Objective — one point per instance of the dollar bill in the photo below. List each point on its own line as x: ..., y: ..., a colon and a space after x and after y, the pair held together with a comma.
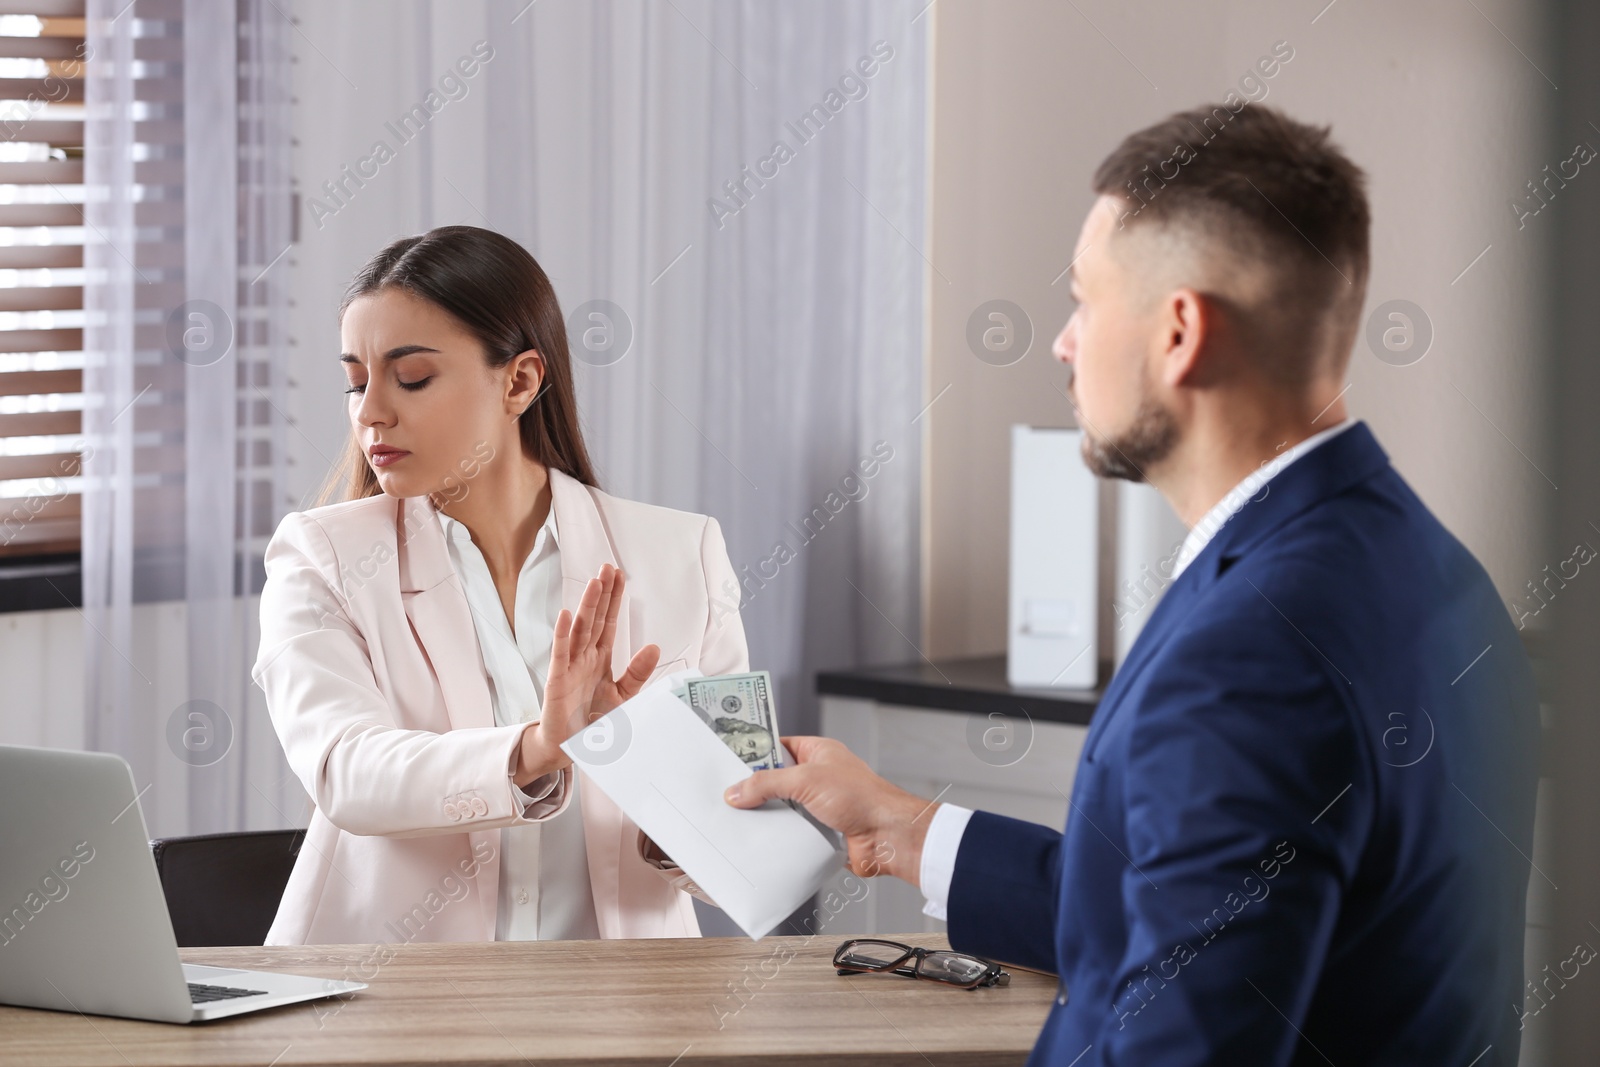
x: 739, y: 709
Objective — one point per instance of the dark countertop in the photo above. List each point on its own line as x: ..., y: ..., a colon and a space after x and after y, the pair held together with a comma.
x: 977, y: 685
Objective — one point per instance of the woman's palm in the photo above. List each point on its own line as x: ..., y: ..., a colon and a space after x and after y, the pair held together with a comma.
x: 579, y: 687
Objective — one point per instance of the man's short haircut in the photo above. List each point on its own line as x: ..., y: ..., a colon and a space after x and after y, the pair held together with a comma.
x: 1270, y: 189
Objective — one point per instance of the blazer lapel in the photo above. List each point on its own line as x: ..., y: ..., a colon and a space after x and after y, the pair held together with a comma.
x: 585, y: 547
x: 437, y: 606
x: 1169, y: 610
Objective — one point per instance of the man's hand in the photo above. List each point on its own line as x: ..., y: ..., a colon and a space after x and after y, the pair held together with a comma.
x: 884, y: 825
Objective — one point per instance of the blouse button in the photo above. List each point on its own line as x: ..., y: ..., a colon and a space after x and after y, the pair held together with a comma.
x: 522, y: 896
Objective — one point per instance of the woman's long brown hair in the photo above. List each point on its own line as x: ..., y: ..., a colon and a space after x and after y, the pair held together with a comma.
x: 500, y: 293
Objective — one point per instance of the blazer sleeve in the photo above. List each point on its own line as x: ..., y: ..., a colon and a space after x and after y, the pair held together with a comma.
x: 1004, y: 891
x: 365, y: 774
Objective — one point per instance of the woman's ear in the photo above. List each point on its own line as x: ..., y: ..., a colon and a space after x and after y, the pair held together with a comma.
x: 525, y: 381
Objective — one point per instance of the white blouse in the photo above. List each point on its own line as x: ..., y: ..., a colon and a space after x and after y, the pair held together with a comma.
x: 544, y: 868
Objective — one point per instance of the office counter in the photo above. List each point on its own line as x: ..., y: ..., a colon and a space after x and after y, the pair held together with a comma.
x: 955, y: 729
x: 974, y: 685
x: 723, y: 1001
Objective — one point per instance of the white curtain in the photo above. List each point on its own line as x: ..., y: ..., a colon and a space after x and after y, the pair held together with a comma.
x: 754, y: 314
x: 187, y: 217
x: 730, y: 176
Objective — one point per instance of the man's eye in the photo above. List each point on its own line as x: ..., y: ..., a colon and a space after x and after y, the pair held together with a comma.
x: 418, y: 384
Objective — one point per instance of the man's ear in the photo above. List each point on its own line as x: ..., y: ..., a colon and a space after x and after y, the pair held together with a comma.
x: 525, y: 380
x: 1186, y: 323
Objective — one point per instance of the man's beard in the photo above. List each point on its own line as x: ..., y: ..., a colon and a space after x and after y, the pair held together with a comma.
x: 1146, y: 442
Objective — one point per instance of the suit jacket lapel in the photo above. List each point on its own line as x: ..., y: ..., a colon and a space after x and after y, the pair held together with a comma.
x: 437, y: 606
x: 585, y: 547
x: 1169, y: 611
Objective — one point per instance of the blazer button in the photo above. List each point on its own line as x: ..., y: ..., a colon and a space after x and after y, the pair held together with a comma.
x: 1061, y: 991
x: 479, y: 807
x: 452, y: 811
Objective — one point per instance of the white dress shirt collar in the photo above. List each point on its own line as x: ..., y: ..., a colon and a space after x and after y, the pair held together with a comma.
x: 455, y: 529
x: 1233, y: 500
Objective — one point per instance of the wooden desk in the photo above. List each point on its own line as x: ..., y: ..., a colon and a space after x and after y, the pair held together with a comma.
x: 658, y: 1002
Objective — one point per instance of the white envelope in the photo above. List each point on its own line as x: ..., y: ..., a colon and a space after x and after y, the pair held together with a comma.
x: 657, y: 761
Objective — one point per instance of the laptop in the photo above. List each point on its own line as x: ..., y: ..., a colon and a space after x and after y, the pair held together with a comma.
x: 83, y: 921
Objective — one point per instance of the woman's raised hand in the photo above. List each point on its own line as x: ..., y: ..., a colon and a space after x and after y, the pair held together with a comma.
x: 579, y: 687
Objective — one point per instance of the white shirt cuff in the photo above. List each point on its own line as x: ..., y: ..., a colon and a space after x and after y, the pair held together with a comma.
x: 939, y: 850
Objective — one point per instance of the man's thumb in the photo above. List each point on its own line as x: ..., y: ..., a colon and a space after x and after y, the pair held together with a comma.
x: 757, y: 789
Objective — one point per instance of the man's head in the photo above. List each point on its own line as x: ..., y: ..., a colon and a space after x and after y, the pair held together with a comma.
x: 1220, y: 272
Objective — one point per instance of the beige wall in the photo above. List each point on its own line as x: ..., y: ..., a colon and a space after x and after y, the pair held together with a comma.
x: 1429, y: 97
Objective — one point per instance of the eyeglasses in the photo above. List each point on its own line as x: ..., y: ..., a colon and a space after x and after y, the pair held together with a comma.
x: 862, y: 955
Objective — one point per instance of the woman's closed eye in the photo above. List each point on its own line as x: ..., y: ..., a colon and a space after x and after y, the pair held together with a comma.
x: 361, y: 387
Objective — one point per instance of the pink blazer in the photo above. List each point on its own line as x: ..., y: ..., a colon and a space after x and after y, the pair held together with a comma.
x: 376, y: 687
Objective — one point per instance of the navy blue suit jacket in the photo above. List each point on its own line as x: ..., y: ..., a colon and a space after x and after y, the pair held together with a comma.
x: 1300, y: 824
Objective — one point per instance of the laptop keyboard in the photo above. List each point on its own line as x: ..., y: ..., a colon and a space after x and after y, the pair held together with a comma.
x: 205, y: 994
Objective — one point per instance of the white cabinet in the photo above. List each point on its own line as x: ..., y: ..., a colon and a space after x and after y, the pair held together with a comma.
x: 1015, y: 764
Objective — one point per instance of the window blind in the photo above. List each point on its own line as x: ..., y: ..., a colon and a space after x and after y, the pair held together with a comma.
x: 43, y: 64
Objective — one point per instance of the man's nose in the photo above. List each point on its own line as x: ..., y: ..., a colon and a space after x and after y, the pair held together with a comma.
x: 1065, y: 349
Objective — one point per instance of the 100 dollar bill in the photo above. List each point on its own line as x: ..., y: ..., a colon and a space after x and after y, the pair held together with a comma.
x: 741, y: 710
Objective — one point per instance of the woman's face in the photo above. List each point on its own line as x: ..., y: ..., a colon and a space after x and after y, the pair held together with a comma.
x: 425, y: 406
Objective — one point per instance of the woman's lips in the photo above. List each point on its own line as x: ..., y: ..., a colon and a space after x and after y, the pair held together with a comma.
x: 383, y: 459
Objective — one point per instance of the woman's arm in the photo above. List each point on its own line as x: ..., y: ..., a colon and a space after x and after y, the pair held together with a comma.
x: 365, y: 774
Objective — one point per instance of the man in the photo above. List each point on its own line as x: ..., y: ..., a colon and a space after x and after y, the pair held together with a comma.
x: 1300, y: 826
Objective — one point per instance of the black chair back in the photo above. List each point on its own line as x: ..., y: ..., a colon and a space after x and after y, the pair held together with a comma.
x: 224, y: 889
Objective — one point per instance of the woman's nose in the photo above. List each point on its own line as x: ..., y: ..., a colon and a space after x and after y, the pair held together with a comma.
x: 373, y: 410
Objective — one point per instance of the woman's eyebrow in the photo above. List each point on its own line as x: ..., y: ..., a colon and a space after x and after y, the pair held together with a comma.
x: 393, y: 353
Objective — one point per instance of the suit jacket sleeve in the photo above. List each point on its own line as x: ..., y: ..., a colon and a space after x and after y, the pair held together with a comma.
x: 1004, y: 891
x: 367, y: 775
x: 1247, y: 799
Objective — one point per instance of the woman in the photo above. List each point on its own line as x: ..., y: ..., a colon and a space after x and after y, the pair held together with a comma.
x: 429, y: 642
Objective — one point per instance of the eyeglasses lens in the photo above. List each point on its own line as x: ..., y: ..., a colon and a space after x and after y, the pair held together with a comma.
x: 949, y: 967
x: 872, y: 954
